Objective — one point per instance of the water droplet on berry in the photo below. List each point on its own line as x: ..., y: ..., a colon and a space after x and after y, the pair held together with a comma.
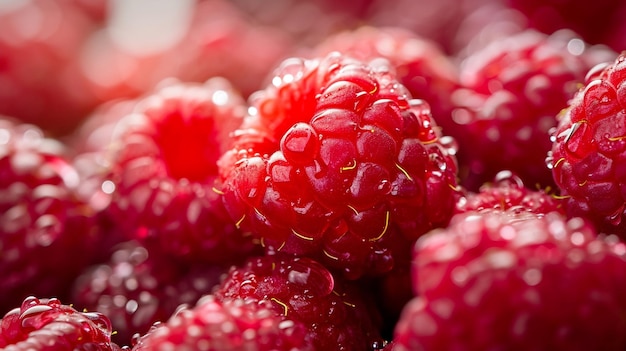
x: 438, y: 161
x: 449, y: 144
x: 289, y: 71
x: 29, y: 316
x: 134, y: 340
x: 549, y: 161
x: 616, y: 217
x: 508, y: 178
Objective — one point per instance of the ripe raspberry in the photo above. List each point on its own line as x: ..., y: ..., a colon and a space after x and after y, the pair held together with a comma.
x: 138, y: 287
x: 48, y: 325
x: 501, y: 280
x: 226, y: 325
x: 336, y: 162
x: 514, y: 88
x: 338, y: 315
x: 41, y: 219
x: 507, y: 192
x: 39, y: 44
x: 162, y: 171
x: 589, y: 149
x: 421, y: 65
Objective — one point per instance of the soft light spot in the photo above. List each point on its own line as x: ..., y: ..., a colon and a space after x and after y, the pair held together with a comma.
x: 131, y: 306
x: 532, y: 276
x: 145, y: 27
x: 108, y: 187
x: 576, y: 46
x: 220, y: 98
x: 5, y: 135
x: 501, y: 259
x: 577, y: 238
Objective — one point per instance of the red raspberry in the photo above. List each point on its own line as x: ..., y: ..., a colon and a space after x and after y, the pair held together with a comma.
x: 501, y: 280
x: 336, y: 162
x: 138, y: 287
x: 507, y: 192
x: 589, y: 149
x: 421, y: 65
x: 40, y: 78
x: 41, y: 218
x: 338, y: 315
x: 162, y: 171
x: 514, y: 88
x: 226, y: 325
x: 48, y: 325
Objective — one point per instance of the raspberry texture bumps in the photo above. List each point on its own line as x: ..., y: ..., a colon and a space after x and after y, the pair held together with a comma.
x: 503, y: 280
x: 512, y: 91
x: 162, y: 170
x: 41, y: 218
x: 48, y: 325
x: 226, y: 325
x: 589, y: 149
x: 338, y: 314
x: 336, y: 162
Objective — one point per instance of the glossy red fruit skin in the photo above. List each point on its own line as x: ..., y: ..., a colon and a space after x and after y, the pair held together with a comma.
x: 589, y: 148
x: 161, y: 175
x: 336, y: 162
x: 140, y: 286
x: 505, y: 280
x: 337, y: 313
x: 508, y: 192
x: 41, y: 217
x: 226, y: 325
x: 512, y: 91
x: 48, y: 325
x: 421, y: 65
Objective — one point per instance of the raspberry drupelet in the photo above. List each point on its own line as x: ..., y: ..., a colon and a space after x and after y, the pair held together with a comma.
x: 508, y: 280
x: 512, y: 91
x: 589, y: 149
x: 41, y: 217
x: 48, y: 325
x: 335, y: 161
x: 139, y: 286
x: 337, y: 313
x: 226, y: 325
x: 162, y: 171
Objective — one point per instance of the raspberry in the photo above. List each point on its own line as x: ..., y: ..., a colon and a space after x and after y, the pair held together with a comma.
x: 138, y: 287
x: 513, y: 89
x: 336, y: 162
x: 48, y: 325
x: 226, y: 325
x: 502, y: 280
x: 507, y: 192
x: 338, y: 315
x: 422, y: 67
x: 41, y: 218
x: 589, y: 149
x: 162, y: 171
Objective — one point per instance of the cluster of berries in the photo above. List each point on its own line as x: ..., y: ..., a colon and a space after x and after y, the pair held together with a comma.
x: 329, y: 186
